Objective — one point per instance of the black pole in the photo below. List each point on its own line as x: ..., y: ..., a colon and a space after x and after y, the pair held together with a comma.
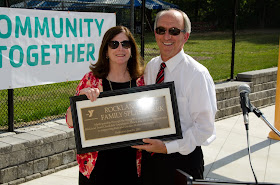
x: 132, y: 16
x: 233, y: 38
x: 143, y: 27
x: 10, y: 110
x: 10, y: 97
x: 7, y: 3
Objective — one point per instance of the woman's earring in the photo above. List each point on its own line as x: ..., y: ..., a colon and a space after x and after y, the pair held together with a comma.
x: 130, y: 56
x: 107, y: 57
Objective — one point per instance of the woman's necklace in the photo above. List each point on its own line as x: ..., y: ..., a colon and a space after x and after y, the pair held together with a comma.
x: 111, y: 84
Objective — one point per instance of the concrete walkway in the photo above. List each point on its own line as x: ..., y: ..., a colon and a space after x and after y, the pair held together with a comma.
x: 226, y: 159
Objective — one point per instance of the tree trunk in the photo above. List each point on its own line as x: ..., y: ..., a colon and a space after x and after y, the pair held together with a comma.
x: 262, y: 12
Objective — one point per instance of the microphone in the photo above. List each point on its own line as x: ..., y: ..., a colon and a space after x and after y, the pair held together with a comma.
x: 246, y: 106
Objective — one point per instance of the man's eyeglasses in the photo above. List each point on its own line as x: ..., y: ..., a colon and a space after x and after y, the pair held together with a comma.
x: 115, y: 44
x: 171, y: 31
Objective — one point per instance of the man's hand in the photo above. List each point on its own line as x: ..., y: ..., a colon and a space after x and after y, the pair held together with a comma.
x: 152, y: 145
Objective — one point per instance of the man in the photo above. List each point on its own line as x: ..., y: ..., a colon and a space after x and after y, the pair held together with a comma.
x: 196, y: 98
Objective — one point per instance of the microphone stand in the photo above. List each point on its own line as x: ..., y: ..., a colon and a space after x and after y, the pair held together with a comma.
x: 248, y: 107
x: 260, y: 115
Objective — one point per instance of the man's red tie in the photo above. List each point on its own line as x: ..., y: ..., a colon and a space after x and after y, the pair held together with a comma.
x: 160, y: 75
x: 160, y: 78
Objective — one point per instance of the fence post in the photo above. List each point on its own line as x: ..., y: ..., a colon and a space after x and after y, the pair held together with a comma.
x: 143, y: 27
x: 62, y: 5
x: 233, y: 38
x: 10, y: 97
x: 10, y: 110
x: 7, y: 4
x: 132, y: 16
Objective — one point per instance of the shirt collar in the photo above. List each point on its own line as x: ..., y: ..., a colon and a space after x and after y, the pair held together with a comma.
x: 174, y: 61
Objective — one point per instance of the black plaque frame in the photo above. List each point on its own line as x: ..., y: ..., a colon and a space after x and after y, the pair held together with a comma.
x: 122, y: 93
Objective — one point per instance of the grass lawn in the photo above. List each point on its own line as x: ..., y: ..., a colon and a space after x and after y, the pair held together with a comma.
x: 37, y: 104
x: 254, y: 50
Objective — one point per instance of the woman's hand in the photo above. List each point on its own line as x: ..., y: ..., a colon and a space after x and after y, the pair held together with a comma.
x: 91, y: 93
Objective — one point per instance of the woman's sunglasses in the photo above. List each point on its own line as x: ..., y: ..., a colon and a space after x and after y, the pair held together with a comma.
x: 171, y: 31
x: 115, y: 44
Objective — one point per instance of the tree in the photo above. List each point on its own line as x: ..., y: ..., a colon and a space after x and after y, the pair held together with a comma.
x: 251, y: 13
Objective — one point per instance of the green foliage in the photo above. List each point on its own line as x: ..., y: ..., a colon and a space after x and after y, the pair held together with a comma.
x: 251, y: 13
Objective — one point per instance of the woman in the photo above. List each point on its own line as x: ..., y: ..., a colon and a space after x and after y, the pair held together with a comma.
x: 119, y: 66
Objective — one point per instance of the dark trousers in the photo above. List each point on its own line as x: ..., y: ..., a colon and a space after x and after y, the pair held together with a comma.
x: 114, y: 166
x: 160, y: 169
x: 109, y: 179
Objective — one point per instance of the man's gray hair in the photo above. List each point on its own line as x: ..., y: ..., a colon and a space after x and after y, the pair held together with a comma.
x: 187, y: 22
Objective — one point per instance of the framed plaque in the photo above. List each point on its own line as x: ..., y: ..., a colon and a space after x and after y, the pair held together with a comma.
x: 124, y: 117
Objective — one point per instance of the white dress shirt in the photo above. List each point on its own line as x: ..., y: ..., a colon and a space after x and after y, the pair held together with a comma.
x: 196, y: 99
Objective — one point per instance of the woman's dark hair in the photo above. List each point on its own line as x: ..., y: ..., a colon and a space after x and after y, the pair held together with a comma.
x: 134, y: 65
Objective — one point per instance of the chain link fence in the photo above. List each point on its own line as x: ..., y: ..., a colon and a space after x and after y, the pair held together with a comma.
x: 38, y: 104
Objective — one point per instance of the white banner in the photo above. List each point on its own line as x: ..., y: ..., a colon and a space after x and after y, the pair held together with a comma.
x: 41, y: 47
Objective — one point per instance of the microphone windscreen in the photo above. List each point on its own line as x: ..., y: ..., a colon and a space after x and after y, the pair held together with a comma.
x: 244, y: 88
